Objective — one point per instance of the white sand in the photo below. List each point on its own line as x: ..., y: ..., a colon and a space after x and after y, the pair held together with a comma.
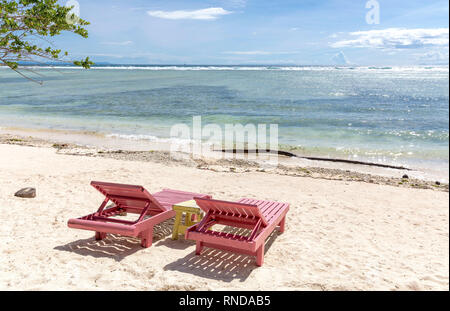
x: 339, y: 235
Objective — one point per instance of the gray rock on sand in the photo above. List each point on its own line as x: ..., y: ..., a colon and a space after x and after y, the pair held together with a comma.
x: 28, y: 193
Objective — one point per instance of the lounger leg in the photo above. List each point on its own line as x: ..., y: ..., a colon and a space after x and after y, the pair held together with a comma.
x: 282, y: 224
x: 100, y: 236
x: 147, y: 238
x: 198, y: 248
x: 260, y: 256
x: 176, y: 226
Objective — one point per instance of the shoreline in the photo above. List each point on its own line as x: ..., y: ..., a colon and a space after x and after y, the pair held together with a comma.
x: 431, y: 173
x: 67, y: 144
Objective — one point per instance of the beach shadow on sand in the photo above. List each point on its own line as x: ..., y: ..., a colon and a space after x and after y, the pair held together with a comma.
x: 115, y: 246
x: 218, y: 264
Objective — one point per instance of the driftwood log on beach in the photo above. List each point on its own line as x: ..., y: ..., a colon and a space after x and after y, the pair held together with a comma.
x: 290, y: 154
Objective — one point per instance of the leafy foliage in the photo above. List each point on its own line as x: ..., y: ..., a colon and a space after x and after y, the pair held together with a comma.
x: 26, y: 25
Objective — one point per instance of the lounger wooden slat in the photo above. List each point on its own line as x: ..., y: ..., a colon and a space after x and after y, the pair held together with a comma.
x: 152, y: 210
x: 261, y: 217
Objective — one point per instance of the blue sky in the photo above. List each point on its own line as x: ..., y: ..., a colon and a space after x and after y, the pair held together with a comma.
x: 298, y: 32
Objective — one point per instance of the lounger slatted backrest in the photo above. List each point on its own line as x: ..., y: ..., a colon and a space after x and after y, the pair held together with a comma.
x: 128, y: 196
x: 231, y: 209
x: 269, y: 209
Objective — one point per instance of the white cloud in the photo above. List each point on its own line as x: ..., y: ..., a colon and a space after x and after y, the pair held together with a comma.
x: 433, y: 57
x: 123, y: 43
x: 340, y: 59
x: 396, y: 38
x: 203, y: 14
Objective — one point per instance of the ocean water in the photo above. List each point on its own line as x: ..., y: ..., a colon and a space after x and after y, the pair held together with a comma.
x: 395, y: 115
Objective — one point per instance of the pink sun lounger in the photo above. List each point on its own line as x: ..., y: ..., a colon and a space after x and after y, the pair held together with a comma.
x: 261, y: 217
x: 152, y: 210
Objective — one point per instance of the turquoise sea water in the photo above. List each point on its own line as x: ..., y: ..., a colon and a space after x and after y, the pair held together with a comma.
x: 389, y: 115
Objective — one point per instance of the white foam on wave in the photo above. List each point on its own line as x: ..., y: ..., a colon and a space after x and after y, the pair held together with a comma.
x: 406, y: 69
x: 150, y: 138
x: 133, y: 137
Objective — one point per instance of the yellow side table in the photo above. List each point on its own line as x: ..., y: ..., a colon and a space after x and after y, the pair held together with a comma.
x: 192, y: 215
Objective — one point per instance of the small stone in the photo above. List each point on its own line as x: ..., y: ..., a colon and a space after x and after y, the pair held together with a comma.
x: 438, y: 183
x: 405, y: 176
x: 26, y: 193
x: 371, y: 181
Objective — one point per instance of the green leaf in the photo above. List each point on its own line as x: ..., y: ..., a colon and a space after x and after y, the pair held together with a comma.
x: 23, y: 19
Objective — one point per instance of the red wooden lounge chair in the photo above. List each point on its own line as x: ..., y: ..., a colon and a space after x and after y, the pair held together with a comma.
x: 152, y: 210
x: 261, y: 217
